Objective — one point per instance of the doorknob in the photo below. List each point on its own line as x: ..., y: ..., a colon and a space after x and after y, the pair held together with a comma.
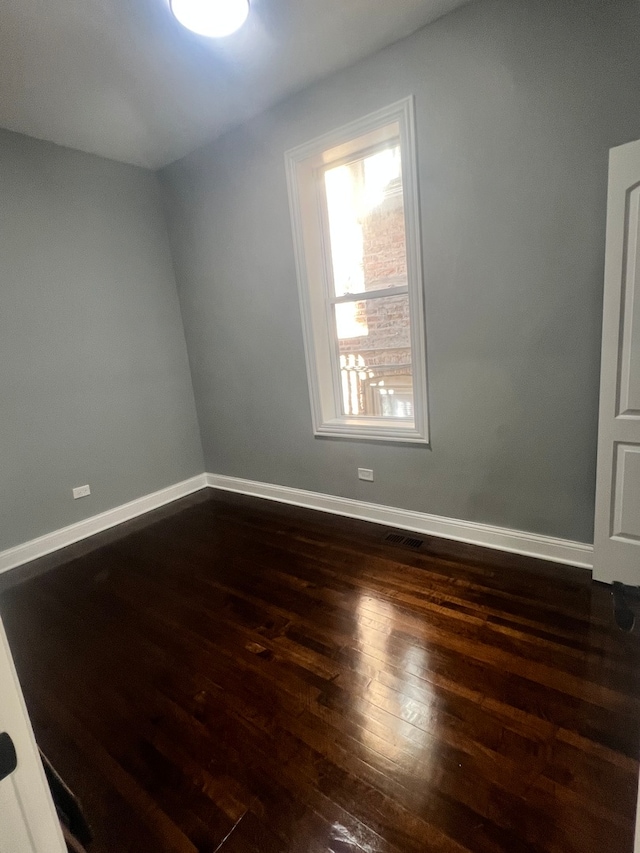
x: 8, y: 757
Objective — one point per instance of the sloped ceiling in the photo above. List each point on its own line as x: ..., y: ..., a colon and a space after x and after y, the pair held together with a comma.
x: 123, y: 79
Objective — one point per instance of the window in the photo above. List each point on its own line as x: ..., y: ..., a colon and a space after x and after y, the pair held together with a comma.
x: 354, y: 209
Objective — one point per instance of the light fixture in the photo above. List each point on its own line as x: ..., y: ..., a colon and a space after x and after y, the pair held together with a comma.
x: 212, y: 18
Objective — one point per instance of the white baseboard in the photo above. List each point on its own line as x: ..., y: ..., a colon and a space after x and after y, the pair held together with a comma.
x: 474, y: 533
x: 501, y: 538
x: 50, y: 542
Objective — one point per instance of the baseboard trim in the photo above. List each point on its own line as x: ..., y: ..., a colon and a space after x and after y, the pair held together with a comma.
x: 43, y: 545
x: 501, y: 538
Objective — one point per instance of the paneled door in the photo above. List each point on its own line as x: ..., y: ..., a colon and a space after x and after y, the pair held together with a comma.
x: 28, y: 820
x: 617, y: 521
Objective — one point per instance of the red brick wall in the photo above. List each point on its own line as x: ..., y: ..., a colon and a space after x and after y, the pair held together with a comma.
x: 385, y: 252
x: 385, y: 264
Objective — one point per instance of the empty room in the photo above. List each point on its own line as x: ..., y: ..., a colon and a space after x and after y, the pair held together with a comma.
x: 319, y: 431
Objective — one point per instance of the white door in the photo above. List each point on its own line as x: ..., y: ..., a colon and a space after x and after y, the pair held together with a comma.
x: 28, y: 821
x: 617, y: 521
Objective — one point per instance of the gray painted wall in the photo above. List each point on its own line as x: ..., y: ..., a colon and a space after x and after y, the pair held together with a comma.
x: 94, y: 376
x: 517, y: 104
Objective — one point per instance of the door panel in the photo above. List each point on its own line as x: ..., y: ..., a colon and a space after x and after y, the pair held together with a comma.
x: 626, y: 502
x: 28, y: 820
x: 617, y: 521
x: 629, y: 362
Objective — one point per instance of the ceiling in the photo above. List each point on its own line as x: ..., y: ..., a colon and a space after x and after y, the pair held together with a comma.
x: 123, y: 79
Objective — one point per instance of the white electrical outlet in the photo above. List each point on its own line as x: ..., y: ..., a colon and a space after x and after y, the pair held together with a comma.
x: 81, y: 492
x: 365, y: 474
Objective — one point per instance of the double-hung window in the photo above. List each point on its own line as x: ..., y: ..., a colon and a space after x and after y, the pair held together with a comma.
x: 354, y: 206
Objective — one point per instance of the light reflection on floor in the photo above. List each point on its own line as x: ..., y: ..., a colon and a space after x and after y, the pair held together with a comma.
x: 343, y: 841
x: 390, y: 702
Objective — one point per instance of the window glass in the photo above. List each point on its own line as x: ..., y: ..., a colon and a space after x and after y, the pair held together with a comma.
x: 365, y: 212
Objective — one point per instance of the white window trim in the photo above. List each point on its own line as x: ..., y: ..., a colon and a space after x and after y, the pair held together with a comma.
x: 311, y: 261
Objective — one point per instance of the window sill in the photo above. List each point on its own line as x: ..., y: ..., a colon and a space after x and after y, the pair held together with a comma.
x: 372, y: 429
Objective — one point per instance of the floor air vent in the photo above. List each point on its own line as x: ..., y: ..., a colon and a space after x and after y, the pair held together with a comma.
x: 407, y: 541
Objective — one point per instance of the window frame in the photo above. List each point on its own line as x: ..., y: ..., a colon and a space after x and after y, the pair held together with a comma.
x: 315, y: 278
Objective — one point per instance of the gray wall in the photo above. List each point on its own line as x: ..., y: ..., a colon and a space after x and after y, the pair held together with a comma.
x: 94, y: 376
x: 518, y: 102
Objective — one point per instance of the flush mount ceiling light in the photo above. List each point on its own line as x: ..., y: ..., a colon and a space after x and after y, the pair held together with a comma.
x: 213, y: 18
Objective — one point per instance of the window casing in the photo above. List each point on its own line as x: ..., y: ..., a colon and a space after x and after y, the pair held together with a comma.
x: 355, y: 217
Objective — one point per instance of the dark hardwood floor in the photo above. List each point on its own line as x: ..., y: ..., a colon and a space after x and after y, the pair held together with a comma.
x: 242, y: 676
